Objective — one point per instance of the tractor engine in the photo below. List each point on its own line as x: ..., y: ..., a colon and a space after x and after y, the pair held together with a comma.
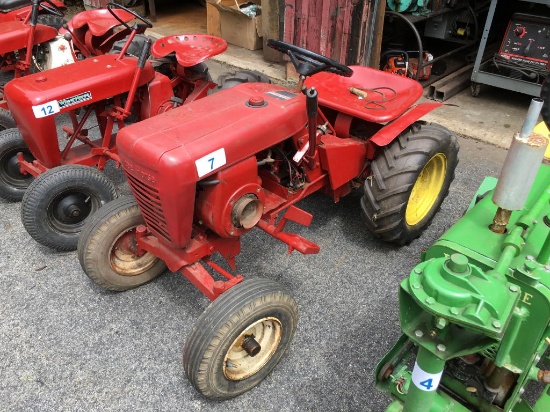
x: 232, y: 201
x: 475, y: 312
x: 206, y: 174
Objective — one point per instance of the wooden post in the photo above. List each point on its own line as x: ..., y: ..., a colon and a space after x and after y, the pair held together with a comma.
x: 270, y: 25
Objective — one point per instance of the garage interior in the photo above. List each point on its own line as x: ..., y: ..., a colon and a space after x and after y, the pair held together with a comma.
x: 436, y: 42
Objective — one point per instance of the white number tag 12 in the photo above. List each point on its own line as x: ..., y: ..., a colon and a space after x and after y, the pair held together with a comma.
x: 46, y: 109
x: 425, y: 381
x: 210, y: 162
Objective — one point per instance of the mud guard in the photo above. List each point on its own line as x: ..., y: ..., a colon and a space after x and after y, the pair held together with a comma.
x: 388, y: 133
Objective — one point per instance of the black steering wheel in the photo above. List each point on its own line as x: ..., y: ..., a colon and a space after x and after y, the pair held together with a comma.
x: 307, y: 62
x: 51, y: 8
x: 110, y: 7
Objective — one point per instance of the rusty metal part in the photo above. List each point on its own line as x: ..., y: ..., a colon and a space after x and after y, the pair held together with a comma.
x: 501, y: 219
x: 251, y: 346
x: 246, y: 212
x: 543, y: 376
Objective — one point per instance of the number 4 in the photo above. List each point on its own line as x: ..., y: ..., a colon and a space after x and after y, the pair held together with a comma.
x: 428, y: 383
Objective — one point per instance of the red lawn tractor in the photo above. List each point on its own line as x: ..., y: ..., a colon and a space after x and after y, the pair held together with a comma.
x: 18, y: 39
x: 206, y: 173
x: 20, y: 10
x: 34, y: 44
x: 65, y: 190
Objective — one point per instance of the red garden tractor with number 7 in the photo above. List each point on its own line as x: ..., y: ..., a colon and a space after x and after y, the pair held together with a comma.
x: 60, y: 183
x: 206, y: 173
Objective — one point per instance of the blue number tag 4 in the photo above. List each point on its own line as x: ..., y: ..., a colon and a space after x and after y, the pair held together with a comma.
x: 425, y: 381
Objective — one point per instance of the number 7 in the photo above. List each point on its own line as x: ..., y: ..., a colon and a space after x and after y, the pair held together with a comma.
x: 211, y: 161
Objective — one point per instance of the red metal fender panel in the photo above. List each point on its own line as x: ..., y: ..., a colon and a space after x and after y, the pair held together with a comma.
x: 166, y: 155
x: 388, y: 133
x: 388, y: 95
x: 343, y: 158
x: 99, y: 21
x: 34, y: 100
x: 14, y: 35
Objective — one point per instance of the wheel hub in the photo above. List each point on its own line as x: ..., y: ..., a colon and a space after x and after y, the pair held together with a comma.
x: 125, y: 259
x: 12, y: 168
x: 252, y: 349
x: 73, y: 208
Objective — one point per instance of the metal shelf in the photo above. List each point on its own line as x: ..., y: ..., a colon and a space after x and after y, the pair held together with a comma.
x: 411, y: 20
x: 480, y: 76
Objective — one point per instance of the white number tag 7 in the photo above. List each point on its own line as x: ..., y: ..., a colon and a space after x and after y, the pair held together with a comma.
x: 210, y: 162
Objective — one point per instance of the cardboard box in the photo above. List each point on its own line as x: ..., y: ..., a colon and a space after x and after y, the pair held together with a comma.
x: 236, y: 27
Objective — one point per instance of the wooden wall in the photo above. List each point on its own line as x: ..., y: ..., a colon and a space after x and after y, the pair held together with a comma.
x: 340, y: 29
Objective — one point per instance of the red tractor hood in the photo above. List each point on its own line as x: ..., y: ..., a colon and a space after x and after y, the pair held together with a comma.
x: 167, y: 154
x: 34, y: 100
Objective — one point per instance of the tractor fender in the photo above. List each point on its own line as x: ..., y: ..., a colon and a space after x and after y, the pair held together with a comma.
x: 389, y: 132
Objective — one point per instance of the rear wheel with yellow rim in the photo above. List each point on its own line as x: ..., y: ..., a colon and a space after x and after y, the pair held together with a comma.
x: 409, y: 180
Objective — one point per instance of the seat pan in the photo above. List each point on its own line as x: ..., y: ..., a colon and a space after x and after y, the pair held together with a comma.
x: 388, y: 95
x: 190, y: 49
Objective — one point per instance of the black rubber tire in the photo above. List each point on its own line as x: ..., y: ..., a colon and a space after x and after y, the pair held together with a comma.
x: 545, y: 96
x: 6, y: 120
x: 50, y: 20
x: 135, y: 48
x: 44, y: 209
x: 13, y: 183
x: 228, y: 80
x: 223, y: 321
x: 395, y: 172
x: 97, y: 245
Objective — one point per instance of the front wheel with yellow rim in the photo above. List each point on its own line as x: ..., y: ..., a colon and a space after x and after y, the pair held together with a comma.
x: 107, y: 248
x: 409, y: 180
x: 240, y: 338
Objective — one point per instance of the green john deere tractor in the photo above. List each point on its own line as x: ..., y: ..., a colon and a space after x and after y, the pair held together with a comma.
x: 475, y: 313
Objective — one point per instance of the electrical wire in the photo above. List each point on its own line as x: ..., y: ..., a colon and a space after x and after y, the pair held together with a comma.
x: 534, y: 73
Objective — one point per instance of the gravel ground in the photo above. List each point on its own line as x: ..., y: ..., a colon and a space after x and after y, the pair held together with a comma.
x: 66, y: 344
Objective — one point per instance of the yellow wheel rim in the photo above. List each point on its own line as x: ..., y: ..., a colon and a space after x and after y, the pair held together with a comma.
x: 426, y: 189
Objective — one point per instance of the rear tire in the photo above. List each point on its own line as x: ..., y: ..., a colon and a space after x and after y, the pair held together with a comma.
x: 6, y: 120
x: 409, y: 181
x: 226, y: 81
x: 107, y: 245
x: 135, y: 48
x: 57, y: 204
x: 50, y: 20
x: 13, y: 183
x: 214, y: 357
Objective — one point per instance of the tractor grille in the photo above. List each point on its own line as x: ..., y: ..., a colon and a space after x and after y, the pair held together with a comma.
x: 148, y: 199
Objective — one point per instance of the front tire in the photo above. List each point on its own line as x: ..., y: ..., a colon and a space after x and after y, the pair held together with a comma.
x: 13, y: 183
x: 409, y: 181
x: 58, y: 202
x: 107, y: 248
x: 240, y: 338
